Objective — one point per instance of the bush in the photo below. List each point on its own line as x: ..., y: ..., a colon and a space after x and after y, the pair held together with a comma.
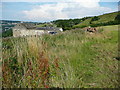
x: 7, y: 33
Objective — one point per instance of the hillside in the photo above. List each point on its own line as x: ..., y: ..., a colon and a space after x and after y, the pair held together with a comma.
x: 72, y: 59
x: 106, y: 18
x: 102, y: 20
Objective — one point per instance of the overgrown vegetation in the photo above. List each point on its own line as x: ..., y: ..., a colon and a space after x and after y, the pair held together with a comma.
x: 73, y: 59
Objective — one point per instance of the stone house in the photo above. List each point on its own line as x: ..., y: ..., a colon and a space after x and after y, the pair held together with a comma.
x: 29, y: 29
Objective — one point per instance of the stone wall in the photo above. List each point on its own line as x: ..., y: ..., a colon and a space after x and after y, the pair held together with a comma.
x: 19, y: 33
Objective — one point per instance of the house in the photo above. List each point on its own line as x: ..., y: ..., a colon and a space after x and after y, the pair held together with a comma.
x: 29, y: 29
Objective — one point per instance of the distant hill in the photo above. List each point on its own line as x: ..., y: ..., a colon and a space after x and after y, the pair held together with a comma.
x: 8, y: 21
x: 101, y: 20
x: 13, y: 21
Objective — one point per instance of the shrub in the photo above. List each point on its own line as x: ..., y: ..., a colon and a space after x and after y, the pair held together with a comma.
x: 7, y: 33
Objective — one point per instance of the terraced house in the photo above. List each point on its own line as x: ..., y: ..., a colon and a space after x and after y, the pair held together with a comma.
x: 29, y: 29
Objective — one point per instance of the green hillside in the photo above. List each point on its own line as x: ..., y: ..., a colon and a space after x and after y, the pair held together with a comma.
x: 106, y: 18
x: 68, y: 24
x: 83, y: 24
x: 102, y: 20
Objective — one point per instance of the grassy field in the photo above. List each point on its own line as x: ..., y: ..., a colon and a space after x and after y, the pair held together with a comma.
x: 72, y: 59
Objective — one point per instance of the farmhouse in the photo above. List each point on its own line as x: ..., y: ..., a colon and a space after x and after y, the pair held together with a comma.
x: 29, y: 29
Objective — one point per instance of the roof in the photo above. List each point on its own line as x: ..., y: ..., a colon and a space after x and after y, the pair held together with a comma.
x: 28, y: 25
x: 47, y: 28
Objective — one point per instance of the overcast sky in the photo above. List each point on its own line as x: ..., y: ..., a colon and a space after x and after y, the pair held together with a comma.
x: 37, y: 10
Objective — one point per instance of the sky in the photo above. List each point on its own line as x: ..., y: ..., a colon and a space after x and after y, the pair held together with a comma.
x: 49, y: 10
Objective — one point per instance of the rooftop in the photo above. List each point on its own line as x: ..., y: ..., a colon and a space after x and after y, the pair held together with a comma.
x: 29, y: 25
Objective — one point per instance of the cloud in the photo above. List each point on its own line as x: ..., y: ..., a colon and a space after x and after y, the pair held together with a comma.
x: 65, y: 10
x: 47, y: 12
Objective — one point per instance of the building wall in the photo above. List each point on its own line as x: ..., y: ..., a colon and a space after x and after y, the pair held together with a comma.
x: 20, y: 30
x: 19, y: 33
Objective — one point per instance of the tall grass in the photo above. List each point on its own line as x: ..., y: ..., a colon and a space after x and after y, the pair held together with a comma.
x: 70, y: 59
